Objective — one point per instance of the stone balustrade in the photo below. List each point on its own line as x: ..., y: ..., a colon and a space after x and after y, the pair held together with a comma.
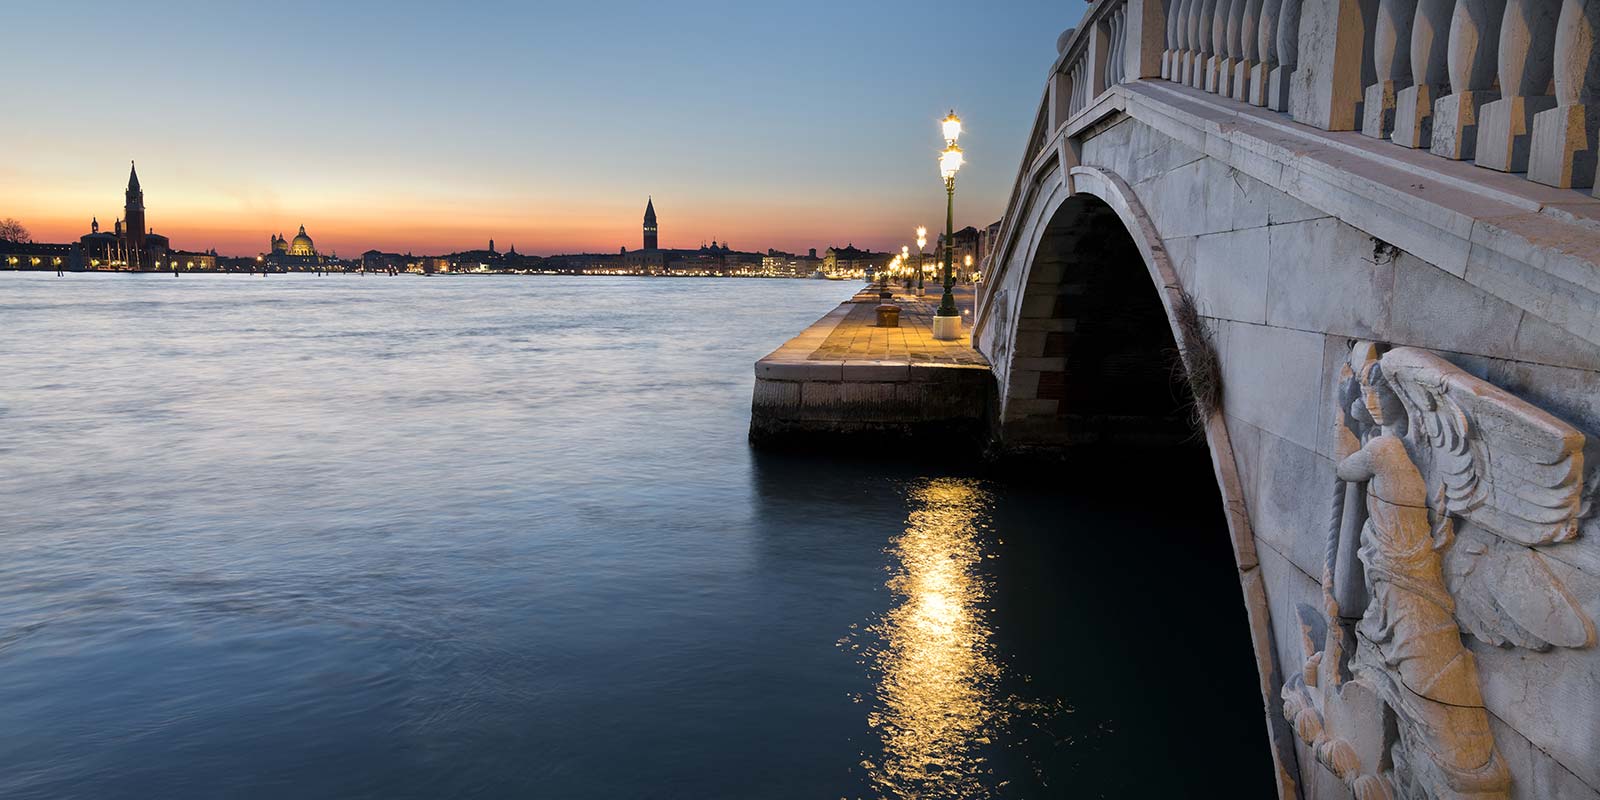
x: 1508, y: 84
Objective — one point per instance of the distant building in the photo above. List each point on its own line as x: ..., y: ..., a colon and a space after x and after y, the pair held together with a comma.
x: 778, y: 264
x: 986, y: 245
x: 297, y: 254
x: 187, y: 261
x: 651, y: 242
x: 849, y: 261
x: 29, y: 255
x: 968, y: 242
x: 379, y: 261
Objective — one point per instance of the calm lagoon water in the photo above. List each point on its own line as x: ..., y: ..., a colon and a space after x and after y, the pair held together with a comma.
x: 503, y: 537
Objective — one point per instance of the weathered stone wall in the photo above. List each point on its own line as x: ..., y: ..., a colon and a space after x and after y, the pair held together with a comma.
x: 1287, y: 287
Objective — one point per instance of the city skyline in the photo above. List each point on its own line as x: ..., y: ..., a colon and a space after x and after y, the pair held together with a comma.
x: 768, y: 136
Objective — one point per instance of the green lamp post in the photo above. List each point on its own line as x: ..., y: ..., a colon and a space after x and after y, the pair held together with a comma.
x: 922, y: 241
x: 947, y: 320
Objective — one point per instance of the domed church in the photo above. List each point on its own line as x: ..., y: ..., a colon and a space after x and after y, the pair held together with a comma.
x: 298, y: 252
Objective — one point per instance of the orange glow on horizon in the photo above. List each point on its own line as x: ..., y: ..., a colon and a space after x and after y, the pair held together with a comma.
x: 236, y: 214
x: 533, y: 229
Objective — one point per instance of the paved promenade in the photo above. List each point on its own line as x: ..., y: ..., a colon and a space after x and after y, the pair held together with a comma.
x: 849, y: 335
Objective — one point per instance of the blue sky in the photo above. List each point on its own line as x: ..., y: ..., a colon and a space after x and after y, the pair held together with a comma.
x: 431, y: 127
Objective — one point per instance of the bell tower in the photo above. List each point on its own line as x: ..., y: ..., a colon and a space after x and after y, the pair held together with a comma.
x: 650, y: 241
x: 133, y: 213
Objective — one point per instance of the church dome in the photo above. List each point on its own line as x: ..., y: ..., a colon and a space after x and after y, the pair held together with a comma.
x: 302, y: 246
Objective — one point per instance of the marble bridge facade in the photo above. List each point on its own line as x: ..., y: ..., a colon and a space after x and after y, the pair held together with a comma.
x: 1369, y: 228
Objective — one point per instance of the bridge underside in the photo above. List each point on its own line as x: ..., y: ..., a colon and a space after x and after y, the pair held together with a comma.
x: 1094, y: 361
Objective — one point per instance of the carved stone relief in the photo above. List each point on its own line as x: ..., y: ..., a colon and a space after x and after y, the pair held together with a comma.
x: 1444, y: 482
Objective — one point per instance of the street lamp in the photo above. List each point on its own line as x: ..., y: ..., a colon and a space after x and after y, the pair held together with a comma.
x: 922, y: 241
x: 969, y: 266
x: 947, y: 320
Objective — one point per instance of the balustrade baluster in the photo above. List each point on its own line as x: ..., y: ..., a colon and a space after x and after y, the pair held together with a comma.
x: 1564, y: 137
x: 1473, y: 65
x: 1175, y: 12
x: 1169, y: 57
x: 1077, y: 91
x: 1527, y: 50
x: 1080, y: 92
x: 1114, y: 49
x: 1391, y: 62
x: 1219, y: 45
x: 1266, y: 49
x: 1229, y: 54
x: 1288, y: 42
x: 1204, y: 51
x: 1108, y: 47
x: 1248, y: 53
x: 1125, y: 43
x: 1188, y: 25
x: 1430, y: 74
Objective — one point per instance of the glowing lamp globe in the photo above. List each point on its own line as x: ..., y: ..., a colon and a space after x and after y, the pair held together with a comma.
x: 950, y: 162
x: 952, y: 127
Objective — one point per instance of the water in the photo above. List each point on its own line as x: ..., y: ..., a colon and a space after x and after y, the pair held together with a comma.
x: 503, y: 537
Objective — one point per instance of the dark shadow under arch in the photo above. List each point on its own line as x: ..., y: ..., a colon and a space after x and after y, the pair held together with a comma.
x: 1094, y: 372
x: 1094, y: 358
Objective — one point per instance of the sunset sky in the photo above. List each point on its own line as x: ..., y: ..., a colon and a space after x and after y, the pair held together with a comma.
x: 432, y: 127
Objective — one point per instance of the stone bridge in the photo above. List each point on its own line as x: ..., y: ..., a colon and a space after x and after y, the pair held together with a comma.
x: 1368, y: 229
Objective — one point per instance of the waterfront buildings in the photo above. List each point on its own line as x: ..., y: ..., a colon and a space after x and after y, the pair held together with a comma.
x: 852, y: 262
x: 717, y: 259
x: 29, y: 255
x: 132, y: 245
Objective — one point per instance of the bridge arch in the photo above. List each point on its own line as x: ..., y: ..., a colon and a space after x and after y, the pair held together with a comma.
x: 1091, y: 353
x: 1094, y: 335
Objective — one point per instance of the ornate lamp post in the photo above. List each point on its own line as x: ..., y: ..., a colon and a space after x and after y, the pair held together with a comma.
x: 922, y: 241
x: 905, y: 259
x: 947, y: 320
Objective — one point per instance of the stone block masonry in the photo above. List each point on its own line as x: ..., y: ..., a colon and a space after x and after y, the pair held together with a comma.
x: 845, y: 377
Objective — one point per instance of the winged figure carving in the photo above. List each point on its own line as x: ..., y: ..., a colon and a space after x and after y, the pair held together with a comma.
x: 1446, y: 484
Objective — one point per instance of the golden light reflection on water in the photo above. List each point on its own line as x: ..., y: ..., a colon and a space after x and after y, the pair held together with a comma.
x: 936, y: 707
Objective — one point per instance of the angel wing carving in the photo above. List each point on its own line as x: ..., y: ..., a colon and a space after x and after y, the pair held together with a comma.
x: 1513, y: 474
x: 1504, y: 464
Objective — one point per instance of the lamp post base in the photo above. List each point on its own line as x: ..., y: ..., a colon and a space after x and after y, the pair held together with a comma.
x: 947, y: 328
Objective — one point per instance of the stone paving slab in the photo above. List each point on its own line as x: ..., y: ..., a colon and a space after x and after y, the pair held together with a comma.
x: 847, y: 344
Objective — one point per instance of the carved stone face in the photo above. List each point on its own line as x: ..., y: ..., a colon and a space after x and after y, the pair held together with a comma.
x: 1378, y: 404
x: 1381, y: 403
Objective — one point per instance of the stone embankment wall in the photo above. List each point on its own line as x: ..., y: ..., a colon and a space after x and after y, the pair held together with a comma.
x: 813, y: 389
